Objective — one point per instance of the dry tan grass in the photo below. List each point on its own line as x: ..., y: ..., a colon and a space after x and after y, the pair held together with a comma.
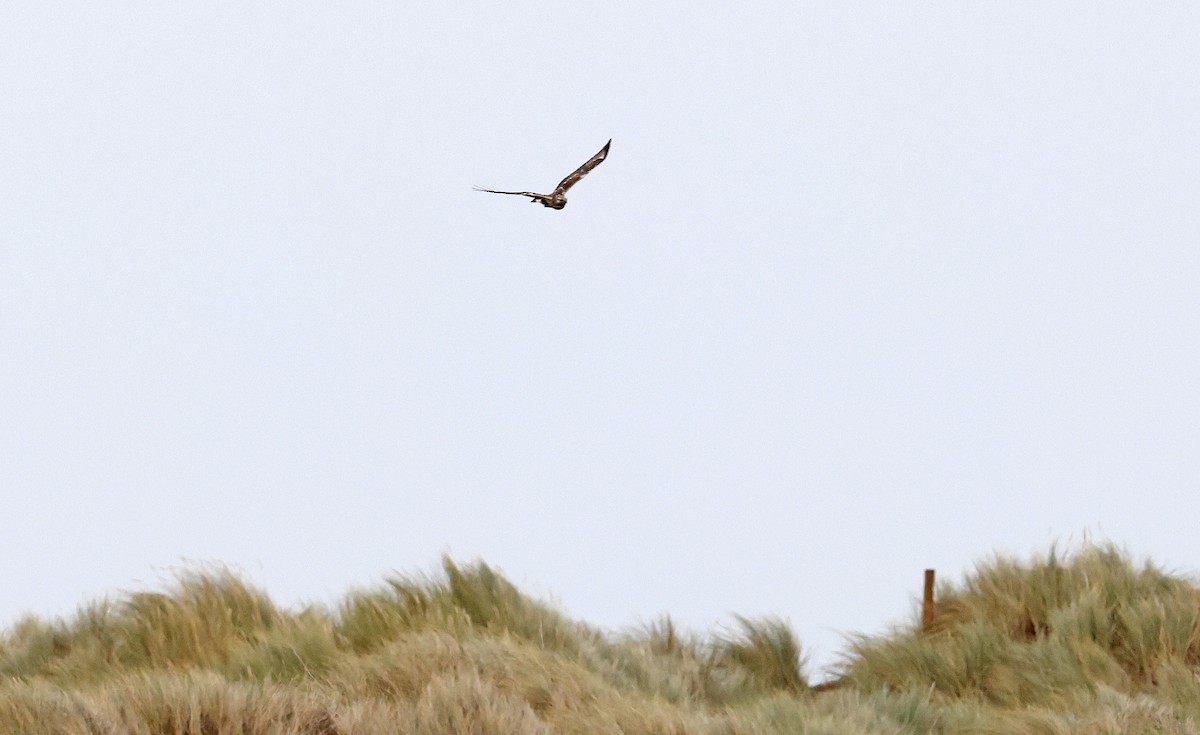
x: 1081, y: 643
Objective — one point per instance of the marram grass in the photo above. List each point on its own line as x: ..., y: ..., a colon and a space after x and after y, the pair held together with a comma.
x: 1085, y: 642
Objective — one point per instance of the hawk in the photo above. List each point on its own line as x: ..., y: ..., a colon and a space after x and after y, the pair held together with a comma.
x: 558, y: 198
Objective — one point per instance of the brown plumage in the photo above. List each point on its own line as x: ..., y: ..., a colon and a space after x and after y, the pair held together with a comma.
x: 558, y: 198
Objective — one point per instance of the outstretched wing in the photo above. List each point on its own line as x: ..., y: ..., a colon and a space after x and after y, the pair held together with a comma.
x: 518, y: 193
x: 583, y: 170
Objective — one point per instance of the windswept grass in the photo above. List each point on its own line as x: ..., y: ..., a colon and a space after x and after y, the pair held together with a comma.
x: 1078, y: 643
x: 1075, y: 635
x: 767, y: 650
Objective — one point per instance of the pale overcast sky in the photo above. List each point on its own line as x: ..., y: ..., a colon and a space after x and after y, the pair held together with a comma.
x: 862, y: 288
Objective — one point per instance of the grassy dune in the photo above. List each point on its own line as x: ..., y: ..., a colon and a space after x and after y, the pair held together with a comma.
x: 1078, y: 643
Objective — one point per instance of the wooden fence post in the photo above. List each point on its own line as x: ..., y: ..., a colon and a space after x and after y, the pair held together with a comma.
x: 927, y: 603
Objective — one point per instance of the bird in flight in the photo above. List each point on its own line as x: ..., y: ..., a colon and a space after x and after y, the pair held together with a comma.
x: 558, y: 198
